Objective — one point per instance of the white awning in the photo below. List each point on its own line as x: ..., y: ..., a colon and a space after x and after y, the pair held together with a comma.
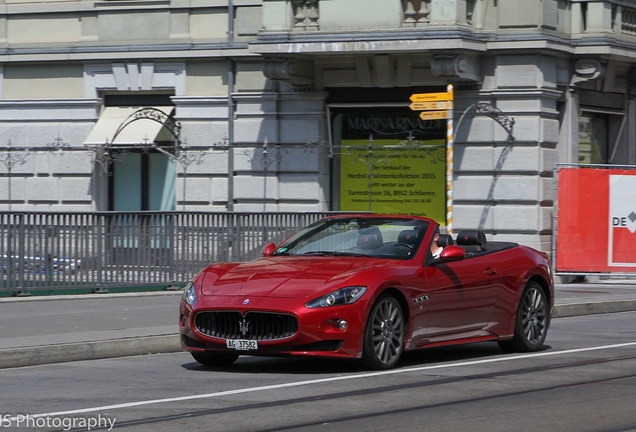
x: 128, y: 130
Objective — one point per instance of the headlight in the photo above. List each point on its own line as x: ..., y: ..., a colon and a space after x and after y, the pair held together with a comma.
x: 190, y: 294
x: 343, y: 296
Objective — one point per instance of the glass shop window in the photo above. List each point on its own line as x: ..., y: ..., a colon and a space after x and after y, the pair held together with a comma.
x: 593, y: 138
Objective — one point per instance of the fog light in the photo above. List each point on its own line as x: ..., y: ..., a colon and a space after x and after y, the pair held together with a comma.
x: 342, y: 324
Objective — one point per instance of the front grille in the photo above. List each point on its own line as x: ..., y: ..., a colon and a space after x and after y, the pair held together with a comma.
x: 254, y: 325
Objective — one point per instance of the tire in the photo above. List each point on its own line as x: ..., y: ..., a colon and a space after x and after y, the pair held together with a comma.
x: 531, y: 326
x: 384, y: 335
x: 215, y: 359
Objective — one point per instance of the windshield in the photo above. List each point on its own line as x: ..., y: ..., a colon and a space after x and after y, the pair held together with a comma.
x: 397, y: 238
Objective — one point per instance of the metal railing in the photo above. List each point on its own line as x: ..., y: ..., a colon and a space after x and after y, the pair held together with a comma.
x: 44, y: 251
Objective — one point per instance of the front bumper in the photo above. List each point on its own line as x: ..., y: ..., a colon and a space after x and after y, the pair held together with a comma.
x: 319, y: 333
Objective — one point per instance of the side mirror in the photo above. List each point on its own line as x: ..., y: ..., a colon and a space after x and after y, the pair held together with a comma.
x: 452, y: 253
x: 268, y: 249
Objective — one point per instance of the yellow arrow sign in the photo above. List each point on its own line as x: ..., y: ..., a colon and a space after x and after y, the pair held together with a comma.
x: 427, y: 106
x: 434, y: 115
x: 430, y: 97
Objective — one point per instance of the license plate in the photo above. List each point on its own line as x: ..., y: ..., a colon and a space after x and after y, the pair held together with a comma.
x: 241, y: 344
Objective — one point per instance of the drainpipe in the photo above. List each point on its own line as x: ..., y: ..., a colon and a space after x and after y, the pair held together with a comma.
x: 230, y: 135
x: 230, y: 110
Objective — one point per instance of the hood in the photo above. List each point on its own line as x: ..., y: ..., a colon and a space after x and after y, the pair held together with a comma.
x: 286, y: 277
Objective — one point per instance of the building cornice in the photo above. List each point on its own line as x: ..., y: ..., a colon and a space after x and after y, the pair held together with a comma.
x: 124, y: 52
x: 286, y: 45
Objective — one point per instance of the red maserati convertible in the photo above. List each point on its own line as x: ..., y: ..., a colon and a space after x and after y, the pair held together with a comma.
x: 369, y: 287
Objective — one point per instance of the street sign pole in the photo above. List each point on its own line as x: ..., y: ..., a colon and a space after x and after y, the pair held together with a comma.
x: 439, y: 106
x: 449, y: 166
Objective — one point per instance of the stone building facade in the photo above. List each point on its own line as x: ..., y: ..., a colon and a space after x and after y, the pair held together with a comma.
x: 253, y: 105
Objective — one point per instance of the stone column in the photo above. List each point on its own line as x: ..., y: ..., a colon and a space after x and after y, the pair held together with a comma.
x: 277, y: 16
x: 599, y: 17
x: 446, y: 11
x: 504, y: 186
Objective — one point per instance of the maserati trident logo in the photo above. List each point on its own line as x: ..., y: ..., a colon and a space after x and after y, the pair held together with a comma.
x: 244, y: 327
x: 246, y: 301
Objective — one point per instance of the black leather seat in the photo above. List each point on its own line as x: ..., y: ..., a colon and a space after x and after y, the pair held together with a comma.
x: 445, y: 240
x: 370, y: 238
x: 473, y: 241
x: 408, y: 237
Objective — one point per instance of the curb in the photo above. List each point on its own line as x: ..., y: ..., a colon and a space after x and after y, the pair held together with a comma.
x: 48, y: 354
x: 592, y: 308
x: 89, y: 296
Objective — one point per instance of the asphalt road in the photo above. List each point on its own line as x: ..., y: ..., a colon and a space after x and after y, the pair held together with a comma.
x: 585, y: 380
x: 52, y: 329
x: 87, y: 318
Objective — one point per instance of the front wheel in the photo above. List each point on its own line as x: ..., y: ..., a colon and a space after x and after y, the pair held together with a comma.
x: 531, y: 326
x: 384, y: 334
x: 214, y: 359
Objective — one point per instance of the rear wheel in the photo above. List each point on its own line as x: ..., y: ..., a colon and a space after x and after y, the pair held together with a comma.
x: 384, y: 334
x: 214, y: 359
x: 531, y: 327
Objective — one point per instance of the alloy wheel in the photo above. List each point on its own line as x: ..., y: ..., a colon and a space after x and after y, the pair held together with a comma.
x: 534, y: 316
x: 388, y: 331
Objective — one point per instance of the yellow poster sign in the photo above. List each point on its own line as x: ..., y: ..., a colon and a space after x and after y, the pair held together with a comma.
x: 387, y: 178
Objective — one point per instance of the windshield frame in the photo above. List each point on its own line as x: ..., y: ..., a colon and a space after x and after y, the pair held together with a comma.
x: 390, y: 237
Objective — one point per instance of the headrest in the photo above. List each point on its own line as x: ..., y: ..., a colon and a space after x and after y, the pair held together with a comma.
x: 408, y: 237
x: 471, y: 237
x: 445, y: 240
x: 370, y: 238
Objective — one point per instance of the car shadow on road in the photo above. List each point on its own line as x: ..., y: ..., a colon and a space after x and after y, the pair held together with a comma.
x: 282, y: 365
x: 315, y: 366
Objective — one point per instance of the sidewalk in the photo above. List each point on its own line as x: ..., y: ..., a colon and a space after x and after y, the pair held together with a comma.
x: 52, y: 329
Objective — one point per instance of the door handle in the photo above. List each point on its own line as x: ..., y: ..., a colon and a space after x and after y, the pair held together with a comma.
x: 490, y: 271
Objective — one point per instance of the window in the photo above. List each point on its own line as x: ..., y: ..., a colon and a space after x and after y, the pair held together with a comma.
x: 593, y: 138
x: 138, y: 131
x: 143, y: 181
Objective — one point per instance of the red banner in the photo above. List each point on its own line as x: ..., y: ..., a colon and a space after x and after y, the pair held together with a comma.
x: 596, y: 220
